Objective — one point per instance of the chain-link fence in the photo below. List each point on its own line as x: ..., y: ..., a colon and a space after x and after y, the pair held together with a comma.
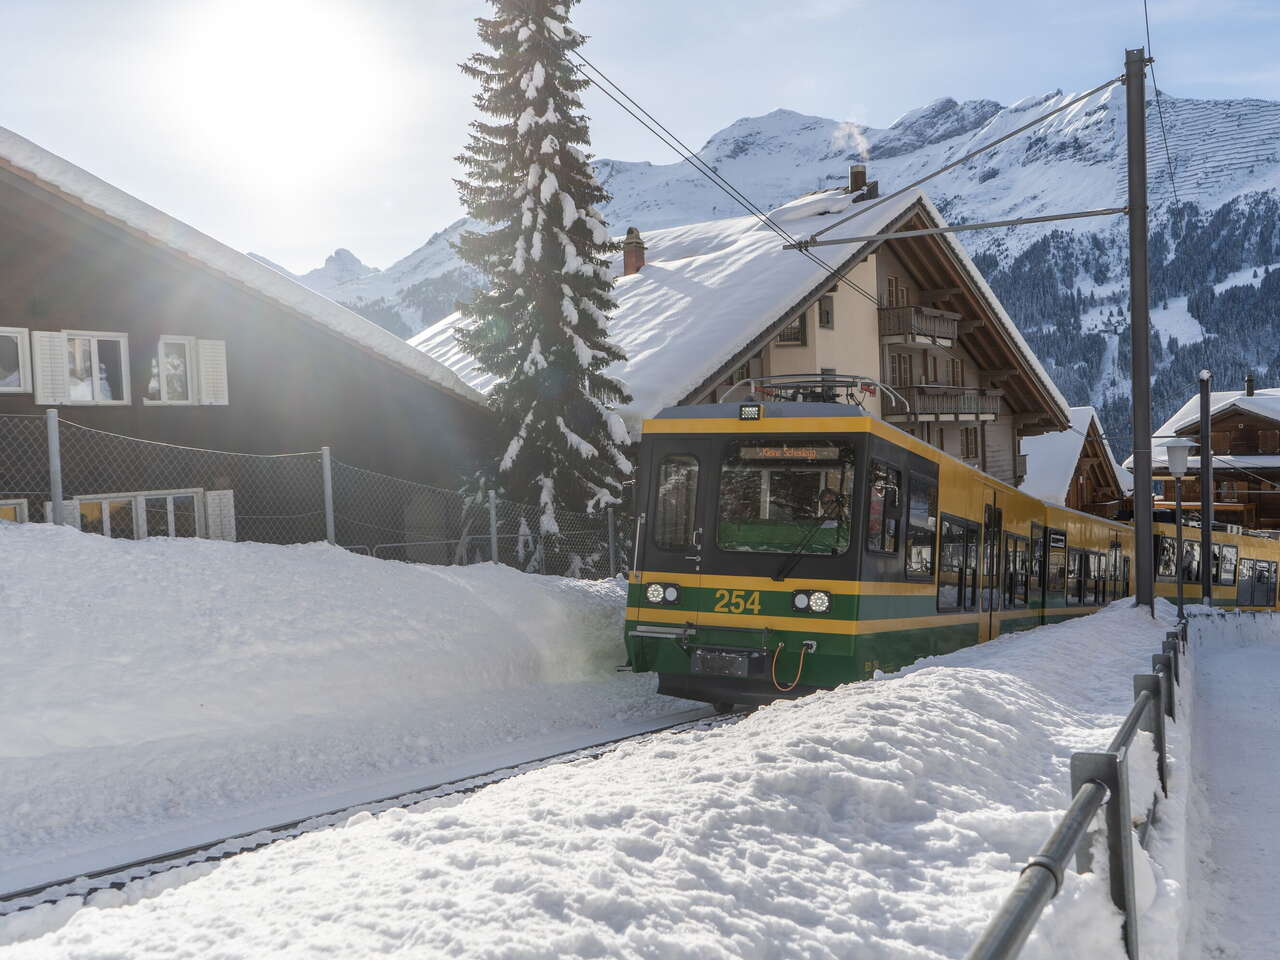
x: 124, y: 487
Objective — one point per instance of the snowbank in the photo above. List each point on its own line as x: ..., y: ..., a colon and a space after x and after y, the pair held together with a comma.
x: 151, y: 688
x: 883, y: 819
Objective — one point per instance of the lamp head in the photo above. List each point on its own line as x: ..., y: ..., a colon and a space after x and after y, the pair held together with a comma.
x: 1177, y: 450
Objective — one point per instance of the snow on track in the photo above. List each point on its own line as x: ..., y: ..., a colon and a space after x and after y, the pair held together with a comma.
x: 163, y: 693
x: 884, y: 819
x: 1235, y: 887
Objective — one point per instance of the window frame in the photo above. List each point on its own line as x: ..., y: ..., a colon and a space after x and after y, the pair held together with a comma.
x: 1235, y: 559
x: 826, y: 312
x: 193, y: 366
x: 24, y: 515
x: 946, y: 520
x: 657, y: 502
x: 25, y: 381
x: 884, y: 516
x: 801, y: 325
x: 916, y: 479
x: 125, y: 386
x: 139, y: 499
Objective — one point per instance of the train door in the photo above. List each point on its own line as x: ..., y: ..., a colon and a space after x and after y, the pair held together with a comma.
x: 681, y: 485
x: 992, y: 536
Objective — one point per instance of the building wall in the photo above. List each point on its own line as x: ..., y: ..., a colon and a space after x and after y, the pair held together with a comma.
x: 293, y: 386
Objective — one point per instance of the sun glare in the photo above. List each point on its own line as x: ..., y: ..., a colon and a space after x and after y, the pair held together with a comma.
x: 271, y: 85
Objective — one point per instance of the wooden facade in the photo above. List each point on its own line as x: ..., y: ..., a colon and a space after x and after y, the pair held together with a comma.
x: 1247, y: 486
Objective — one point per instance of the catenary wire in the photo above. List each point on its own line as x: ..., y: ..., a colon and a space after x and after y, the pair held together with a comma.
x: 1168, y: 157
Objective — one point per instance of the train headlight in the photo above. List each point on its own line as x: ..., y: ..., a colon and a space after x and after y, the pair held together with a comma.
x: 800, y: 600
x: 671, y: 594
x: 654, y: 593
x: 819, y: 601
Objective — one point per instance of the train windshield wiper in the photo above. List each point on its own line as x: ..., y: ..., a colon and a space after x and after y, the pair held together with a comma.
x: 790, y: 561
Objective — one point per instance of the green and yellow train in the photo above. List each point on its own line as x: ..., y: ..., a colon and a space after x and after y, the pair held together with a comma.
x: 787, y: 547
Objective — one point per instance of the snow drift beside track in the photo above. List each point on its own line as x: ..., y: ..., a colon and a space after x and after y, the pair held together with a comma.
x: 879, y: 820
x: 149, y: 684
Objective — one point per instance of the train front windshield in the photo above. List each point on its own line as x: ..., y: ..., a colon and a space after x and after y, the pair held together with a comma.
x: 784, y: 496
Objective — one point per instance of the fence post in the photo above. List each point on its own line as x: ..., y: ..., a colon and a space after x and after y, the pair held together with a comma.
x: 493, y: 526
x: 55, y: 467
x: 326, y: 468
x: 613, y: 546
x: 1153, y: 719
x: 1109, y: 770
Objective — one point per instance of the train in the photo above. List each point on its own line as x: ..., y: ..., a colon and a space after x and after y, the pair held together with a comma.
x: 790, y: 542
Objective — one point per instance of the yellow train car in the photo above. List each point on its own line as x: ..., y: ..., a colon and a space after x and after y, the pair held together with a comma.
x: 787, y: 547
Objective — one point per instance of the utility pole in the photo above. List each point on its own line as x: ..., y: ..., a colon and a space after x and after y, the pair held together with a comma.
x: 1206, y: 491
x: 1135, y: 64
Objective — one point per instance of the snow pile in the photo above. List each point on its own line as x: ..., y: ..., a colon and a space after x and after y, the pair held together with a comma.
x: 883, y: 819
x: 151, y: 690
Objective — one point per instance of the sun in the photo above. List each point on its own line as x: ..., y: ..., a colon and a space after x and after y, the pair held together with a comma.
x: 272, y: 86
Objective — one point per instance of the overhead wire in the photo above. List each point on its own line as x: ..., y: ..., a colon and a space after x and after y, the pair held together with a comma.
x: 1164, y: 136
x: 681, y: 149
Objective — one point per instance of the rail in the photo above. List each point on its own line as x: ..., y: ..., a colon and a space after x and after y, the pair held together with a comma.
x: 1099, y: 782
x: 919, y: 322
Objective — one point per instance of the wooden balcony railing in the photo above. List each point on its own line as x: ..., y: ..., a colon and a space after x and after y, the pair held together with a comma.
x: 919, y: 322
x: 948, y: 401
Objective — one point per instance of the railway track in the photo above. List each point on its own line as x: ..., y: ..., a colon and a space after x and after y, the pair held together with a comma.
x: 119, y: 875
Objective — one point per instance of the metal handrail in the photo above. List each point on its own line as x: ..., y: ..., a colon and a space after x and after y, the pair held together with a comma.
x: 1098, y: 779
x: 811, y: 381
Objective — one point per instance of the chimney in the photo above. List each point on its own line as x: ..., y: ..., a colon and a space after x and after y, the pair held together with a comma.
x: 632, y: 252
x: 1248, y: 385
x: 857, y: 177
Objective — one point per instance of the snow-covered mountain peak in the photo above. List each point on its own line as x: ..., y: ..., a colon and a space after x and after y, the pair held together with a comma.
x: 339, y: 267
x: 940, y: 120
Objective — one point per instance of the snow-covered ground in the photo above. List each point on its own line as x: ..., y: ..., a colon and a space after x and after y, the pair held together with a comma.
x: 1236, y: 808
x: 883, y: 819
x: 159, y: 693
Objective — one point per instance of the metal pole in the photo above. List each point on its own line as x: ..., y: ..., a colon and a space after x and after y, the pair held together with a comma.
x: 1139, y: 324
x: 55, y: 468
x: 1206, y: 491
x: 1177, y: 519
x: 326, y: 467
x: 493, y: 526
x: 613, y: 546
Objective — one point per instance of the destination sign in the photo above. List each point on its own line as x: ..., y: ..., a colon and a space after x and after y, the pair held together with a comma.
x: 785, y: 452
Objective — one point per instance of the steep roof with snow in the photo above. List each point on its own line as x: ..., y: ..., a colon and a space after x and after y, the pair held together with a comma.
x: 64, y: 179
x: 710, y: 289
x: 1264, y: 403
x: 1052, y: 458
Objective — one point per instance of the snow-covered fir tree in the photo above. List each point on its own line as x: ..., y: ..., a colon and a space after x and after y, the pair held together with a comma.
x: 540, y: 327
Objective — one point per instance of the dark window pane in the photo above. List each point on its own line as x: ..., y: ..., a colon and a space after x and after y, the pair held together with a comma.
x: 110, y: 371
x: 1228, y: 572
x: 10, y: 372
x: 121, y: 519
x: 922, y: 527
x: 950, y: 565
x: 971, y: 567
x: 883, y: 509
x: 157, y: 510
x: 675, y: 518
x: 91, y: 517
x: 184, y: 516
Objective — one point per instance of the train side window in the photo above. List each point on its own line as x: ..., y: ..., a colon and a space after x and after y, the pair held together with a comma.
x: 1124, y: 582
x: 674, y: 513
x: 1056, y: 574
x: 922, y: 527
x: 971, y: 566
x: 1015, y: 572
x: 1244, y: 582
x: 950, y: 565
x: 1264, y: 588
x: 1166, y: 558
x: 883, y: 508
x: 1099, y: 579
x: 1227, y: 570
x: 1073, y: 577
x: 1035, y: 567
x: 1190, y: 561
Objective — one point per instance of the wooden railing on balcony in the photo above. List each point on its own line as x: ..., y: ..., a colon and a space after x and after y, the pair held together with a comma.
x: 948, y: 401
x: 919, y: 321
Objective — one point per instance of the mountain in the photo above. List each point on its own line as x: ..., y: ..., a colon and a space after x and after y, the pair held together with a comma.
x: 1215, y: 226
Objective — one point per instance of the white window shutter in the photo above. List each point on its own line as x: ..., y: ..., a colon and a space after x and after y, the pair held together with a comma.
x: 220, y: 514
x: 213, y: 372
x: 50, y: 366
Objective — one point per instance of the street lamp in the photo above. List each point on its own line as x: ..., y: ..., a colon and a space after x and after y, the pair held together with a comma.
x: 1176, y: 450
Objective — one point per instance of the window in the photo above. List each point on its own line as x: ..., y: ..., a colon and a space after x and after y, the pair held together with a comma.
x: 1076, y: 566
x: 1227, y: 565
x: 1166, y: 558
x: 786, y: 495
x: 955, y: 372
x: 1015, y: 572
x: 173, y: 372
x: 951, y: 565
x: 1035, y: 565
x: 14, y: 511
x: 1190, y: 561
x: 15, y: 360
x: 1056, y: 564
x: 922, y: 527
x: 674, y: 514
x: 796, y: 333
x: 97, y: 367
x: 133, y: 516
x: 827, y: 312
x: 1244, y: 582
x: 931, y: 362
x: 883, y: 508
x: 900, y: 370
x: 891, y: 286
x: 969, y: 443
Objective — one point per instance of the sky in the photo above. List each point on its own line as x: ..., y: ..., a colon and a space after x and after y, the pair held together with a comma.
x: 293, y: 127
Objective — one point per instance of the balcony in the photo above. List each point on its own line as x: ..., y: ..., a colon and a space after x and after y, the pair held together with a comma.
x: 918, y: 325
x: 941, y: 403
